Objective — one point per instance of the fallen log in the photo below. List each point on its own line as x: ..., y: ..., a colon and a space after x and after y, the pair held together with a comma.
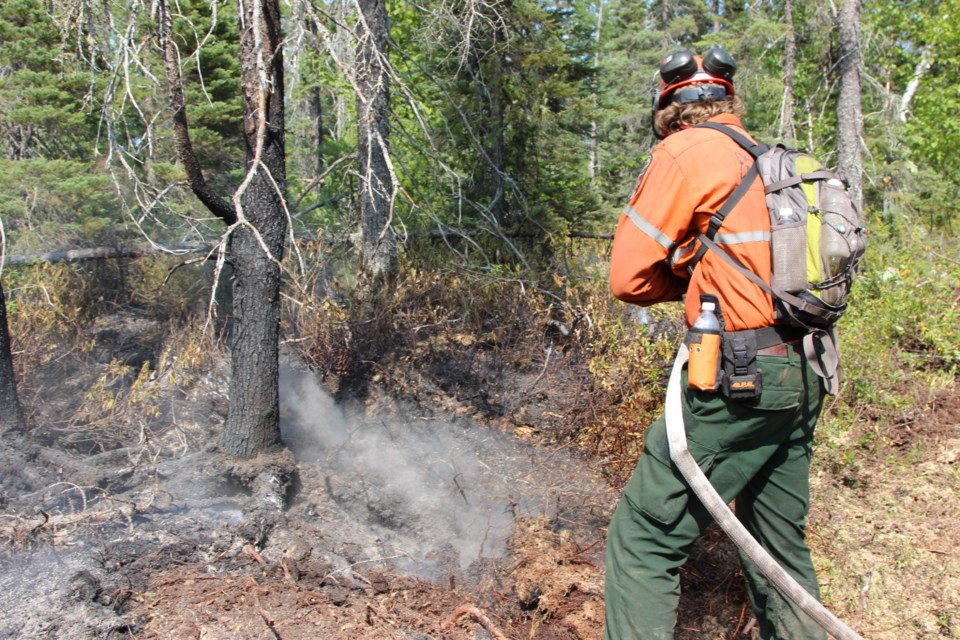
x: 104, y: 253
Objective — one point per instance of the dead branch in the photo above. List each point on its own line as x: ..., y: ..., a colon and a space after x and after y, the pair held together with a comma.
x: 103, y: 253
x: 55, y: 522
x: 251, y: 553
x: 476, y: 614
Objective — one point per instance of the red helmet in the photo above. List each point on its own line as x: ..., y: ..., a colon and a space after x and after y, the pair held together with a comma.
x: 713, y: 73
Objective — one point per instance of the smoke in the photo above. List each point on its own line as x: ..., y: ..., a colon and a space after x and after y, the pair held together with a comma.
x: 440, y: 493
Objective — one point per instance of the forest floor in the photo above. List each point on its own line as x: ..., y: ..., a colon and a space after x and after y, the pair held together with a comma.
x: 447, y: 500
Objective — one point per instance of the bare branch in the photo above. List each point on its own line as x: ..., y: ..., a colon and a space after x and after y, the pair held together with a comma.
x: 171, y: 58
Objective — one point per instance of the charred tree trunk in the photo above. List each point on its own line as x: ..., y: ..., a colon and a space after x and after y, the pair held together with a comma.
x: 849, y: 107
x: 379, y: 243
x: 253, y: 419
x: 11, y: 415
x: 257, y: 218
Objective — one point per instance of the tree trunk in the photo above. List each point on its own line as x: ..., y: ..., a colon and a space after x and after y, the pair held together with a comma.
x: 11, y: 415
x: 926, y: 61
x: 257, y: 218
x: 788, y: 131
x: 306, y: 157
x: 495, y: 132
x: 849, y: 108
x: 379, y: 244
x: 309, y: 114
x: 594, y: 166
x: 664, y: 18
x: 314, y: 108
x: 253, y: 419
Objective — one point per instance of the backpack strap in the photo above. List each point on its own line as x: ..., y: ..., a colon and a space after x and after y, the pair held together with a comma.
x: 804, y: 177
x: 819, y: 345
x: 796, y: 301
x: 756, y: 149
x: 717, y: 219
x: 820, y: 350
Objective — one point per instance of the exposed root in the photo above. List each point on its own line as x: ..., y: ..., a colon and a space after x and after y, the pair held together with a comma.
x: 476, y: 614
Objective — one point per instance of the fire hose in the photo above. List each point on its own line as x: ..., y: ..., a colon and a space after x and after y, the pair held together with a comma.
x: 705, y: 491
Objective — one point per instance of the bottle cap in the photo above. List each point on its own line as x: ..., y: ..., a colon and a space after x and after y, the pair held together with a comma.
x: 709, y: 297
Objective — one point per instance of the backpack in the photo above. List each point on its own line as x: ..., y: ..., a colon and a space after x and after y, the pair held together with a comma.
x: 817, y: 234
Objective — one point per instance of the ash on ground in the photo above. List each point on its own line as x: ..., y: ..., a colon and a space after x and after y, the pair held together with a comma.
x: 431, y: 495
x: 369, y: 495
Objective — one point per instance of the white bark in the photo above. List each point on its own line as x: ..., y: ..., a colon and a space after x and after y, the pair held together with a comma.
x: 926, y: 60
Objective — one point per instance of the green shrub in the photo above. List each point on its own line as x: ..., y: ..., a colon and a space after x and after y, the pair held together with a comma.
x: 900, y: 337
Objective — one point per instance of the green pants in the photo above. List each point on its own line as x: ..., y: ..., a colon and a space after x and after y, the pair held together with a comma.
x: 757, y: 452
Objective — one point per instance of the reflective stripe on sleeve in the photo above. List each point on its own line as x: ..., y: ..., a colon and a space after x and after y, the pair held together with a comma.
x: 740, y: 238
x: 658, y: 236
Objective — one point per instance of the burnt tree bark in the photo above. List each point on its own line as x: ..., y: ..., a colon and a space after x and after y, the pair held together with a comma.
x: 253, y: 420
x: 375, y: 202
x: 849, y: 106
x: 313, y: 109
x: 257, y: 222
x: 11, y: 414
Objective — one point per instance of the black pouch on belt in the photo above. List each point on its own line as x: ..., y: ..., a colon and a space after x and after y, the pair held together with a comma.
x: 741, y: 378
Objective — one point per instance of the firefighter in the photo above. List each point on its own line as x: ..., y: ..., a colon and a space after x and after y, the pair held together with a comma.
x: 755, y: 450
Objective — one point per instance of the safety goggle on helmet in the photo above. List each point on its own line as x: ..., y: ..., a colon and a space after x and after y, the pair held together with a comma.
x: 686, y: 77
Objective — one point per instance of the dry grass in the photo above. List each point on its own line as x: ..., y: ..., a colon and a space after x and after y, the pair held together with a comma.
x: 886, y: 521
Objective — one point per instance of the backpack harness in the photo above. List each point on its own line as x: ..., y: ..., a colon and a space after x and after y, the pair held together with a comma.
x: 802, y: 314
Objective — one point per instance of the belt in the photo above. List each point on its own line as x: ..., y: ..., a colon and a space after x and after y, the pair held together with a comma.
x: 782, y: 349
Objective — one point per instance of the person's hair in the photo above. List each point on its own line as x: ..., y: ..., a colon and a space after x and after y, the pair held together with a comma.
x: 677, y: 116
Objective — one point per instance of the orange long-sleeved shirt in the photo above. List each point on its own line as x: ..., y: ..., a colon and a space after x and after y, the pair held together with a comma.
x: 690, y: 175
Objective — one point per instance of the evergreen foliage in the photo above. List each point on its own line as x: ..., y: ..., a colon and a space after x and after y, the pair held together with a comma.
x: 53, y: 191
x: 508, y: 118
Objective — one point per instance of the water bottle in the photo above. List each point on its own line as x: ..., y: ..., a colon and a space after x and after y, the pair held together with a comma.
x: 835, y: 234
x: 703, y: 342
x: 789, y: 248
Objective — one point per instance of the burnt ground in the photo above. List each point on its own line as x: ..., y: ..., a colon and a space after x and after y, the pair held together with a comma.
x: 462, y: 511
